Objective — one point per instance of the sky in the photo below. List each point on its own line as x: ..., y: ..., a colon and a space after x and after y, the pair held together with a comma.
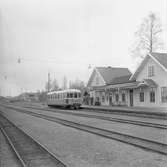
x: 64, y: 36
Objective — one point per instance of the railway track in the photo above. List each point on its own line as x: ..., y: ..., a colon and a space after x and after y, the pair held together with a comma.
x: 110, y: 118
x: 8, y: 155
x: 28, y: 151
x: 131, y: 112
x: 132, y: 140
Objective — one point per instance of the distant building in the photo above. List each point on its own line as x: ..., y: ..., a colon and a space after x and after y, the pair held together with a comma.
x: 147, y: 87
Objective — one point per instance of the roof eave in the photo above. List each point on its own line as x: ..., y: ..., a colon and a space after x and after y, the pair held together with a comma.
x: 137, y: 69
x: 157, y: 62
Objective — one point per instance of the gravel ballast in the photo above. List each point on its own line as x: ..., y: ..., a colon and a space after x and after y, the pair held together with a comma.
x: 81, y: 149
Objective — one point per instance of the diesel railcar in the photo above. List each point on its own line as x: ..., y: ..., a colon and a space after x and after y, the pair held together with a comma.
x: 66, y: 98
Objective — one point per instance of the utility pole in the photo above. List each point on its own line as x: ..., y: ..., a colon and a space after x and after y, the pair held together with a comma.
x: 48, y: 82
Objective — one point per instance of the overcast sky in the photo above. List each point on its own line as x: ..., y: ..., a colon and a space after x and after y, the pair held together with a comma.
x: 64, y: 36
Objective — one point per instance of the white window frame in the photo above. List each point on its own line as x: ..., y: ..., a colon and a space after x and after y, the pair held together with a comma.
x: 164, y: 94
x: 152, y: 100
x: 151, y: 71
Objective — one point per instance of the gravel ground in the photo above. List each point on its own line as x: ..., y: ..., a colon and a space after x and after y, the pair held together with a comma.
x: 81, y: 149
x: 7, y: 157
x: 159, y: 135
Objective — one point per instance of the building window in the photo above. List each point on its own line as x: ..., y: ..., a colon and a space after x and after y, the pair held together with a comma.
x: 123, y: 97
x: 164, y: 94
x: 141, y: 96
x: 151, y: 71
x: 152, y: 96
x: 117, y: 97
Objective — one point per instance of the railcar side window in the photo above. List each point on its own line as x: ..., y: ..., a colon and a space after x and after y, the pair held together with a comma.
x: 75, y: 95
x: 71, y: 95
x: 68, y: 95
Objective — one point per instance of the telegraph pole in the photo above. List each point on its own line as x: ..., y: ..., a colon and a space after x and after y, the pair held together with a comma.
x: 48, y: 81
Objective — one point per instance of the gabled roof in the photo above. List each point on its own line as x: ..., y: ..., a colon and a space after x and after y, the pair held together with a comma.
x: 122, y: 79
x: 160, y: 58
x: 110, y: 73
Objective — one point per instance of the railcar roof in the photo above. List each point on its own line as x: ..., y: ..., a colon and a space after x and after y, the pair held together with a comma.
x: 65, y: 91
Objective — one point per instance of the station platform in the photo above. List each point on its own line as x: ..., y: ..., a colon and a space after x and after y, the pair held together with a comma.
x: 161, y: 111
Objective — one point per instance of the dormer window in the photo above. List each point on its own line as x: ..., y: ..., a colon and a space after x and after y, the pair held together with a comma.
x: 151, y: 71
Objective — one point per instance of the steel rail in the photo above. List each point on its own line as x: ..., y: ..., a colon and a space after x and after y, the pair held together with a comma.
x: 13, y: 147
x: 53, y: 156
x: 120, y: 120
x: 147, y: 144
x: 142, y: 114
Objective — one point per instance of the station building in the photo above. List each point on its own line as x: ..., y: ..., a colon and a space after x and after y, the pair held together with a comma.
x: 146, y: 87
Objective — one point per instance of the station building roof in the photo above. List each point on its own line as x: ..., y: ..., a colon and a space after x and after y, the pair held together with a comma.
x: 110, y: 73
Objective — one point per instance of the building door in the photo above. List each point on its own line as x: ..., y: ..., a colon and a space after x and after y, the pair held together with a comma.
x: 131, y: 97
x: 110, y: 100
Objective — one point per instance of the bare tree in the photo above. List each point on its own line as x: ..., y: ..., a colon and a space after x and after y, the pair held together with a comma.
x: 48, y: 86
x: 148, y: 36
x: 77, y: 84
x: 64, y: 83
x: 55, y: 85
x: 48, y: 83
